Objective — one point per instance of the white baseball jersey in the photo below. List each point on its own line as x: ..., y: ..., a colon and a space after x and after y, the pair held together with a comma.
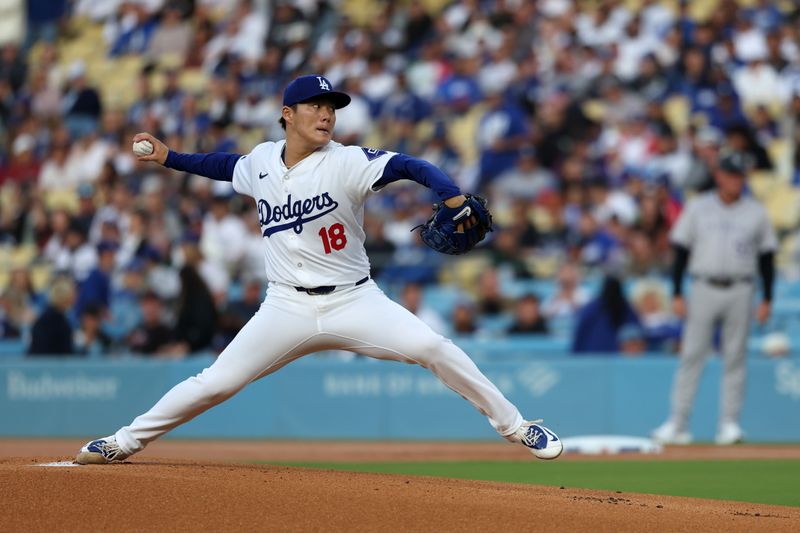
x: 724, y: 240
x: 311, y: 214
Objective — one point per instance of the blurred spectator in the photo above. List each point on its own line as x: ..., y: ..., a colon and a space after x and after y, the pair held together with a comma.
x: 196, y: 313
x: 13, y: 67
x: 21, y: 303
x: 569, y: 297
x: 353, y: 123
x: 756, y: 82
x: 71, y: 254
x: 464, y: 319
x: 52, y: 332
x: 90, y: 339
x: 95, y: 290
x: 631, y: 341
x: 490, y: 299
x: 411, y: 299
x: 8, y: 330
x: 23, y: 166
x: 418, y: 26
x: 152, y: 336
x: 123, y: 313
x: 159, y: 275
x: 80, y: 104
x: 117, y: 211
x: 601, y: 320
x: 379, y: 249
x: 223, y: 234
x: 501, y: 134
x: 528, y: 317
x: 86, y: 207
x: 214, y: 275
x: 239, y: 311
x: 596, y: 244
x: 526, y: 180
x: 131, y: 30
x: 660, y: 328
x: 172, y: 36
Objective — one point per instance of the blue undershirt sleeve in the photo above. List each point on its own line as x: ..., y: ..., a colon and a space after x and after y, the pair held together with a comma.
x: 217, y: 165
x: 401, y: 166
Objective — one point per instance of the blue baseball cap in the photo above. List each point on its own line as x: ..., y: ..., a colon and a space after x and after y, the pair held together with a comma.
x: 735, y: 162
x: 305, y: 88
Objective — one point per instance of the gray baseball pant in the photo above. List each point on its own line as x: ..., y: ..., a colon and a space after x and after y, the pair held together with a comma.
x: 709, y: 306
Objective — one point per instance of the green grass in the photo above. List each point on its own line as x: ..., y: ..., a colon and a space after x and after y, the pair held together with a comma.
x: 769, y: 481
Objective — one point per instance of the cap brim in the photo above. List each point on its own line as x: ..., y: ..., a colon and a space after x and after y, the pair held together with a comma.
x: 733, y: 170
x: 339, y: 100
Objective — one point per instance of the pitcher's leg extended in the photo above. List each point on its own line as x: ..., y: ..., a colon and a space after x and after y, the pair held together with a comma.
x: 267, y: 342
x: 406, y: 338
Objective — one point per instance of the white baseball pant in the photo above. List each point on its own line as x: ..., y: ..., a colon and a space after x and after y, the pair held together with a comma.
x: 291, y: 324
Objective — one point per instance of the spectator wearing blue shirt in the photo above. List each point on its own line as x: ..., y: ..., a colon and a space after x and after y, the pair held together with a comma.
x: 602, y: 319
x: 95, y: 290
x: 501, y: 135
x: 43, y: 17
x: 460, y: 90
x: 727, y: 113
x: 135, y: 29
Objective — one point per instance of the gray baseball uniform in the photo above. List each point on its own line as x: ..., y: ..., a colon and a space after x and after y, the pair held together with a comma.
x: 724, y: 242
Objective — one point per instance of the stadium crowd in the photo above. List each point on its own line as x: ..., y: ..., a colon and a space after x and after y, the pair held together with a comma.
x: 586, y: 124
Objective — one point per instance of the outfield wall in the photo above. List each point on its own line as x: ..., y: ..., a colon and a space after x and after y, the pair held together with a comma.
x: 365, y: 399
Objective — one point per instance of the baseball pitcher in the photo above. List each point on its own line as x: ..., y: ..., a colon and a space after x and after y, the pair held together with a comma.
x: 310, y: 193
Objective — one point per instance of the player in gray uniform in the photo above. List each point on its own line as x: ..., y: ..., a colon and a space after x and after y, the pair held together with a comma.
x: 723, y: 236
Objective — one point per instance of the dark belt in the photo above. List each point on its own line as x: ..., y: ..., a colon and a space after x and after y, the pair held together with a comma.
x: 723, y: 282
x: 327, y: 289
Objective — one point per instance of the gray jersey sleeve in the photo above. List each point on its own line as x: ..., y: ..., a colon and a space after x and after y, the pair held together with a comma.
x: 683, y: 233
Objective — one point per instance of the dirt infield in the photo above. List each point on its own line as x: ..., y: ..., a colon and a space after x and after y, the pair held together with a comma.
x: 186, y: 485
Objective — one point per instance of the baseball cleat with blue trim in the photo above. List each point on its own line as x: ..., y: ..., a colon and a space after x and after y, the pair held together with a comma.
x: 100, y: 452
x: 542, y: 442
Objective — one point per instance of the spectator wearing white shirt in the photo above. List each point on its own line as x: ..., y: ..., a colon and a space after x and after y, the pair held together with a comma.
x: 379, y: 83
x: 223, y: 235
x: 631, y: 49
x: 757, y: 82
x: 603, y: 26
x: 569, y: 297
x: 353, y: 123
x: 56, y: 173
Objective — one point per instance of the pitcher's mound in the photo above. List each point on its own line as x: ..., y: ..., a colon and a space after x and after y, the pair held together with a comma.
x: 165, y: 495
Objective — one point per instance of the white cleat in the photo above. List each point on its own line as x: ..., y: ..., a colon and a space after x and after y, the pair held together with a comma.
x: 669, y: 433
x: 542, y: 442
x: 100, y: 452
x: 729, y: 433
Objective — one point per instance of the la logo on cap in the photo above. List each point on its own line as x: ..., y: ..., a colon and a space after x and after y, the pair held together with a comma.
x: 323, y: 84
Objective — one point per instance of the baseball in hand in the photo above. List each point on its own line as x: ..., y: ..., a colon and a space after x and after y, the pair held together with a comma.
x: 142, y: 148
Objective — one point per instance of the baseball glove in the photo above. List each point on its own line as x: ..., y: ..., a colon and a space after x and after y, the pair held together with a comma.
x: 456, y: 230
